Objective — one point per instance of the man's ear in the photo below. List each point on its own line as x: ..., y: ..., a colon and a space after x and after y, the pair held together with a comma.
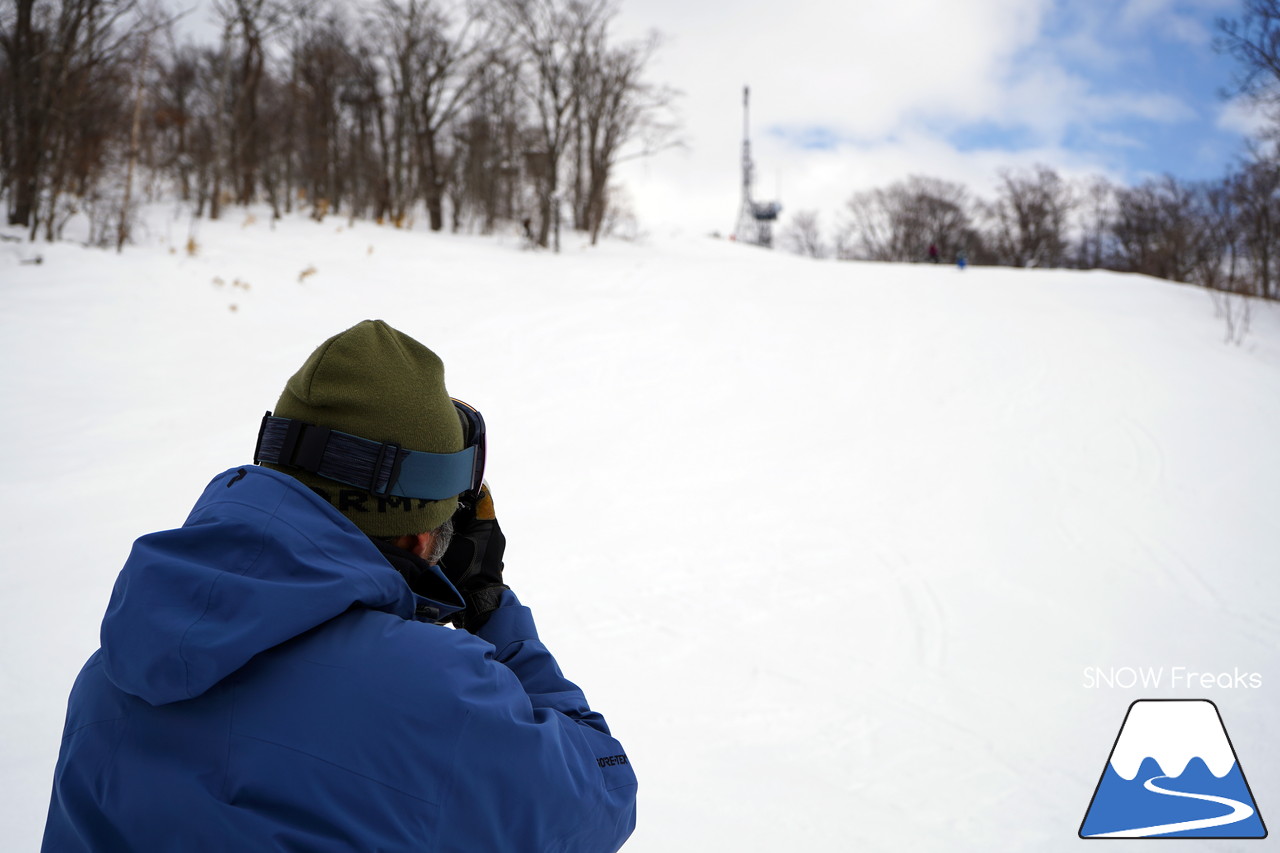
x: 419, y: 544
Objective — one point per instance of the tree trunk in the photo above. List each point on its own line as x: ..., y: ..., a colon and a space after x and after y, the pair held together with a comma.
x: 597, y: 200
x: 27, y: 128
x: 433, y: 184
x: 135, y: 130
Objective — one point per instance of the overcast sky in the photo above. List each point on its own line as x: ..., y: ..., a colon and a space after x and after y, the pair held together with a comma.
x: 851, y: 94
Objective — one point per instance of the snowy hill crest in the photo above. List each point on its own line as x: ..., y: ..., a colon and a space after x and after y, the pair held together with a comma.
x: 1172, y: 733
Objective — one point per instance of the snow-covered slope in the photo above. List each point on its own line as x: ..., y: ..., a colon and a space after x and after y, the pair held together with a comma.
x: 1172, y: 733
x: 830, y: 545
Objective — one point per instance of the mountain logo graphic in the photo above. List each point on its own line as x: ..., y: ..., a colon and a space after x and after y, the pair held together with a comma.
x: 1172, y: 773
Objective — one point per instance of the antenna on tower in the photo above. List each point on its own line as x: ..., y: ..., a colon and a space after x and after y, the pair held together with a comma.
x: 755, y: 218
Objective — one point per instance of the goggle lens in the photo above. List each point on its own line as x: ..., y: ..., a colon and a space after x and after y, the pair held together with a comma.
x: 473, y: 435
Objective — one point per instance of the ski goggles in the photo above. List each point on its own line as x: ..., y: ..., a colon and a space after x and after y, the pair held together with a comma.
x: 385, y: 469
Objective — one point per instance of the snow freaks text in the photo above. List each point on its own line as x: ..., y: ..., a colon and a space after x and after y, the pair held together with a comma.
x: 1174, y: 677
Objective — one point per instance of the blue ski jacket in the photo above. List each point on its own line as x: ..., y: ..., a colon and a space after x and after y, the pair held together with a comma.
x: 264, y: 683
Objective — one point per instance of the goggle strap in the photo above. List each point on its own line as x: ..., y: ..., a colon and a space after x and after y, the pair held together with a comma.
x: 380, y: 468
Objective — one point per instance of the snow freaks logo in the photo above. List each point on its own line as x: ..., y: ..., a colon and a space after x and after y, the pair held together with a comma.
x: 1176, y: 677
x: 1172, y: 773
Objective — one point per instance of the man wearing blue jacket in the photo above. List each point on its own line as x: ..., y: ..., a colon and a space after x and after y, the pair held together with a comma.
x: 278, y: 674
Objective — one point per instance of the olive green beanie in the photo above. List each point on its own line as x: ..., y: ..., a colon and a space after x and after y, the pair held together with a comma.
x: 376, y: 383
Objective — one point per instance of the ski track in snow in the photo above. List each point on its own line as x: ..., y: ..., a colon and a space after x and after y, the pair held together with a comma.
x: 1239, y: 811
x: 927, y: 613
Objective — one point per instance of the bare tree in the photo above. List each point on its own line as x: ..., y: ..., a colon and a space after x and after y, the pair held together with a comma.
x: 613, y: 108
x: 175, y: 112
x: 900, y: 222
x: 1095, y: 210
x: 321, y: 66
x: 141, y: 64
x: 803, y: 235
x: 66, y: 68
x: 206, y: 124
x: 1253, y: 40
x: 1236, y: 313
x: 249, y: 25
x: 1255, y: 192
x: 366, y: 151
x: 547, y: 34
x: 488, y: 109
x: 489, y: 146
x: 869, y: 231
x: 1159, y: 229
x: 1030, y: 218
x: 436, y: 55
x: 1218, y: 267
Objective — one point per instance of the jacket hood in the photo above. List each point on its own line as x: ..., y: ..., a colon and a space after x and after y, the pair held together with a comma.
x: 260, y: 560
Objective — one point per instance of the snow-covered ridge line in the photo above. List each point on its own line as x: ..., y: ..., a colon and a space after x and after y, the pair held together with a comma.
x: 1172, y: 733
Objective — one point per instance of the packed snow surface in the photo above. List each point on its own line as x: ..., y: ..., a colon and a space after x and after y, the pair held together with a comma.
x: 831, y: 545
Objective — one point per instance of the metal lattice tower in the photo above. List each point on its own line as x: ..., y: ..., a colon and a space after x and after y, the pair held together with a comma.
x: 755, y: 218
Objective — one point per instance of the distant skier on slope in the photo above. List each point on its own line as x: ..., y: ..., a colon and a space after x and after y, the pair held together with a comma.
x: 276, y: 674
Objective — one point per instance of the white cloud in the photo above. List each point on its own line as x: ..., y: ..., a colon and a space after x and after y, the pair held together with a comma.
x: 1182, y: 20
x: 859, y: 67
x: 870, y: 71
x: 679, y: 195
x: 888, y: 79
x: 1244, y: 116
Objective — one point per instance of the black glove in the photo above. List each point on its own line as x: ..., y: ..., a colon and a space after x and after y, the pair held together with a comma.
x: 473, y: 560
